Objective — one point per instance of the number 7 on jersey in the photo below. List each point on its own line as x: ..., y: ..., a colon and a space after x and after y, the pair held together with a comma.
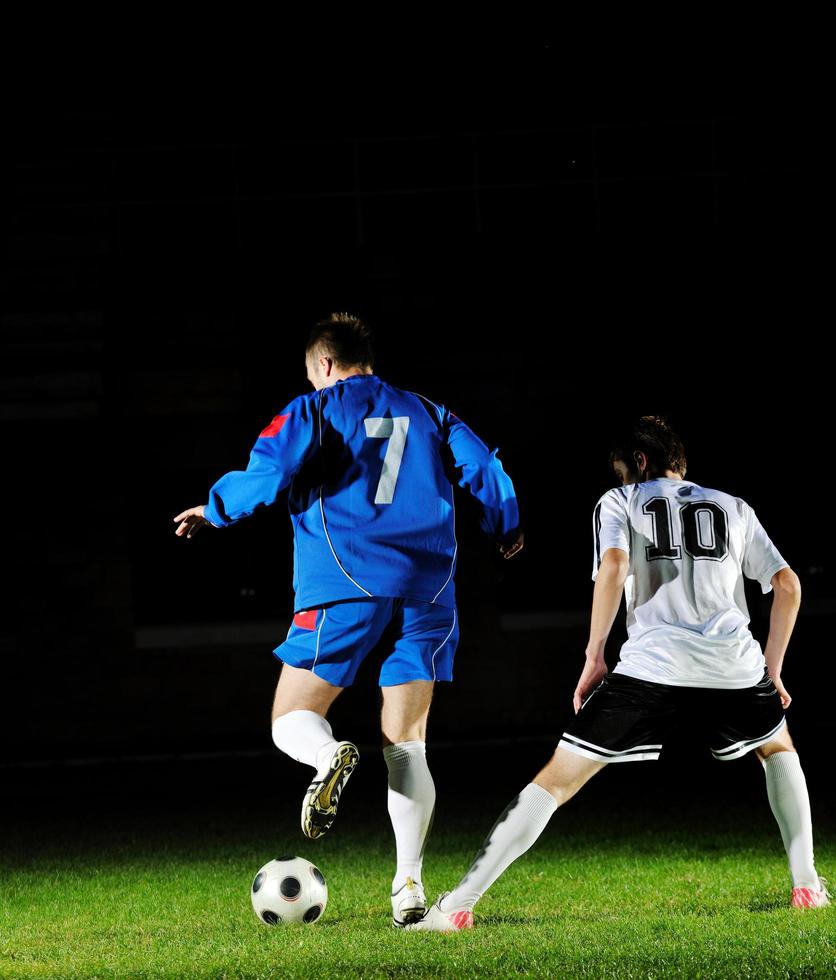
x: 394, y: 430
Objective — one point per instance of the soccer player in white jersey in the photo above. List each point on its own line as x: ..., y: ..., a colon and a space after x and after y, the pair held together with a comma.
x: 680, y: 552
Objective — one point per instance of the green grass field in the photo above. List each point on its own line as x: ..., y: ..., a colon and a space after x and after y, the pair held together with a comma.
x: 157, y: 894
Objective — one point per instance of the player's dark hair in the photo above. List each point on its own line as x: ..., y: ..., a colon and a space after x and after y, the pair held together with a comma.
x: 652, y: 436
x: 346, y: 339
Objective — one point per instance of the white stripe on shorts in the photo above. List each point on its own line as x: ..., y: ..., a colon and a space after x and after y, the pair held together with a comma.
x: 746, y: 745
x: 637, y: 753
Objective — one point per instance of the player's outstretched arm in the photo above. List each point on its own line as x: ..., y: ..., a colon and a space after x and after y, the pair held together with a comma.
x: 787, y: 600
x: 606, y: 598
x: 191, y: 521
x: 279, y: 451
x: 480, y: 472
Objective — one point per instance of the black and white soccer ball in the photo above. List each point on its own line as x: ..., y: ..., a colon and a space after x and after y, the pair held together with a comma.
x: 289, y: 889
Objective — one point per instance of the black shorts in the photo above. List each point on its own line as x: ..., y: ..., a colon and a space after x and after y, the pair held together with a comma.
x: 628, y: 720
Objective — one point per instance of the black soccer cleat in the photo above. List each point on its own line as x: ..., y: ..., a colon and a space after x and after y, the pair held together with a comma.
x: 319, y: 808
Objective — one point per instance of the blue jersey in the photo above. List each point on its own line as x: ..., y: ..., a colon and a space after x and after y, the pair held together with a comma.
x: 370, y: 469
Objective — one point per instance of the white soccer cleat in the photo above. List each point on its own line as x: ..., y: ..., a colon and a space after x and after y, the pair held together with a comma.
x: 437, y: 921
x: 409, y: 903
x: 319, y: 808
x: 811, y: 898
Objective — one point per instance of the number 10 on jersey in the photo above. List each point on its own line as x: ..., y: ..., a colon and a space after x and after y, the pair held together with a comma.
x: 395, y: 431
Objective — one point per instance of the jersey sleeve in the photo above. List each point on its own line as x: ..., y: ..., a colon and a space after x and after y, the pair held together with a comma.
x: 479, y: 470
x: 279, y: 451
x: 610, y: 527
x: 761, y: 559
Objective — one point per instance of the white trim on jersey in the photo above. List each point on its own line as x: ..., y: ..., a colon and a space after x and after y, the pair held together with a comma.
x: 334, y: 553
x: 319, y: 412
x: 455, y: 549
x: 440, y: 645
x: 424, y: 398
x: 452, y: 504
x: 746, y: 745
x: 324, y: 525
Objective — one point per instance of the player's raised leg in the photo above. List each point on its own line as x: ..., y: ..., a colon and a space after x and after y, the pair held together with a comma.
x: 518, y: 827
x: 299, y: 727
x: 411, y: 796
x: 301, y: 730
x: 786, y: 788
x: 322, y: 653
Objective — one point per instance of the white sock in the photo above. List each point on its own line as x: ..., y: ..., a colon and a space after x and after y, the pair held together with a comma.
x: 306, y: 737
x: 518, y: 827
x: 411, y: 806
x: 787, y: 792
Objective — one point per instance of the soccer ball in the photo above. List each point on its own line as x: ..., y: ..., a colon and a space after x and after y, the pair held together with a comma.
x: 289, y: 889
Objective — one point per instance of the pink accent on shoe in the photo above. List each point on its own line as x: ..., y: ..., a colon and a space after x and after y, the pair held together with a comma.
x: 462, y: 919
x: 808, y: 898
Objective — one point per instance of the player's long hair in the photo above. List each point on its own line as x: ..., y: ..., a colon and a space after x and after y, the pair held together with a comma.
x: 345, y: 338
x: 652, y: 436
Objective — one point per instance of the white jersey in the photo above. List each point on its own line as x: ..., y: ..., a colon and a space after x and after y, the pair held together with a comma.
x: 689, y: 548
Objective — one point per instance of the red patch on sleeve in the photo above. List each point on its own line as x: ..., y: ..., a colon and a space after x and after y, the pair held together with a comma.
x: 274, y: 428
x: 306, y: 619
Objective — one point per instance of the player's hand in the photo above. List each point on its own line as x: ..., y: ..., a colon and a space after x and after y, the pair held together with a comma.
x: 512, y: 549
x: 593, y: 673
x: 191, y: 521
x: 783, y: 693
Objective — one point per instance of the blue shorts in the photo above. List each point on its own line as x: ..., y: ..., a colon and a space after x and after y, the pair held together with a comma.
x: 418, y: 640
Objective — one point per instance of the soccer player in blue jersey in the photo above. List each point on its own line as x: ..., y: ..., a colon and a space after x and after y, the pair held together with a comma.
x: 371, y: 470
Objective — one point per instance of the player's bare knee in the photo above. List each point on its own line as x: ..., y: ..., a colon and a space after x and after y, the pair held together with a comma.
x: 566, y: 773
x: 395, y: 734
x: 303, y: 691
x: 561, y: 789
x: 560, y: 793
x: 403, y: 716
x: 279, y: 711
x: 392, y: 734
x: 771, y: 748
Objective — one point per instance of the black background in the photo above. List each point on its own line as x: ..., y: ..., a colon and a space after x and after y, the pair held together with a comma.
x: 544, y: 242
